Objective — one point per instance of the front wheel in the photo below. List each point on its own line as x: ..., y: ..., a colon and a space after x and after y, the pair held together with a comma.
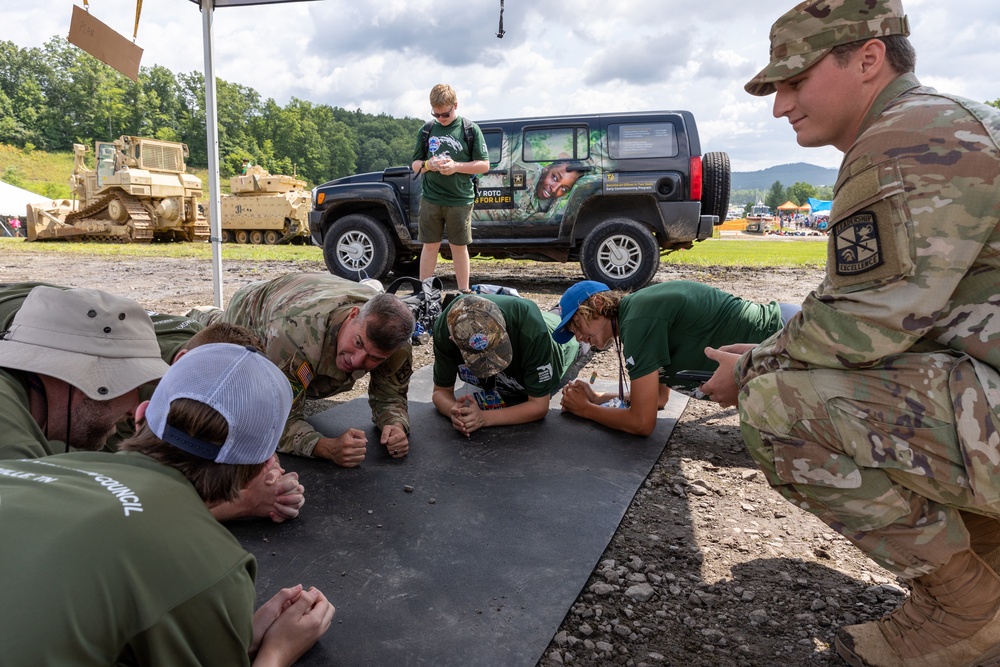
x: 356, y: 247
x: 621, y: 253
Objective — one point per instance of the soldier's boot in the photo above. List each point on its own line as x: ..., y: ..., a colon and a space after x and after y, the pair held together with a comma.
x: 951, y: 618
x: 984, y: 537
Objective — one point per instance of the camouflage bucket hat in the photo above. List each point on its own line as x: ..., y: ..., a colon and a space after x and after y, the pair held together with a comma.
x: 102, y: 344
x: 809, y: 31
x: 479, y: 330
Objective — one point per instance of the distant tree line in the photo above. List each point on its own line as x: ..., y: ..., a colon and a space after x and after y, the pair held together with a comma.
x: 58, y: 95
x: 799, y: 193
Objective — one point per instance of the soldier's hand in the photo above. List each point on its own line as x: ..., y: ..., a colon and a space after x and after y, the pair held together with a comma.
x: 395, y: 440
x: 347, y: 450
x: 721, y: 387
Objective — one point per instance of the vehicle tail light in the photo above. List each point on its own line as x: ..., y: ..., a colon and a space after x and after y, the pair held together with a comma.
x: 696, y: 179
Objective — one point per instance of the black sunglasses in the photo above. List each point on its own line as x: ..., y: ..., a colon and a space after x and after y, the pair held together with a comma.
x: 443, y: 115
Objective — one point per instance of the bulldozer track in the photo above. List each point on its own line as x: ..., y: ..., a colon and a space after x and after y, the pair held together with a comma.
x: 141, y: 223
x: 202, y: 230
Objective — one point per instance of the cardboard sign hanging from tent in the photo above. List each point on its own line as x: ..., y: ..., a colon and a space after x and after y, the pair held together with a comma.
x: 105, y: 44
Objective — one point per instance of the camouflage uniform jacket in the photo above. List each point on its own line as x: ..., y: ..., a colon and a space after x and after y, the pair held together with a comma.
x: 298, y: 317
x: 913, y: 259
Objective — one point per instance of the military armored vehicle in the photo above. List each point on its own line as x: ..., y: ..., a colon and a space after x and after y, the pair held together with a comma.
x: 139, y: 191
x: 265, y: 208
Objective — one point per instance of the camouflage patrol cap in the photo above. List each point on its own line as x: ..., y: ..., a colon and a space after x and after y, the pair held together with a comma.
x: 479, y: 330
x: 803, y: 35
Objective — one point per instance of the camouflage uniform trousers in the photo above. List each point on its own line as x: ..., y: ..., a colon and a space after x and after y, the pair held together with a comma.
x: 887, y: 457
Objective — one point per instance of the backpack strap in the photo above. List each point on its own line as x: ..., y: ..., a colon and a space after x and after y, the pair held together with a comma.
x: 469, y: 130
x: 425, y: 134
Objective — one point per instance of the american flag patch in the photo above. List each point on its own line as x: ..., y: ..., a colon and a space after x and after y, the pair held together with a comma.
x: 304, y: 374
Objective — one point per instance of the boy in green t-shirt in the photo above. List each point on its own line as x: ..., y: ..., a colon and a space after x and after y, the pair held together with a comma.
x: 503, y: 346
x: 447, y: 161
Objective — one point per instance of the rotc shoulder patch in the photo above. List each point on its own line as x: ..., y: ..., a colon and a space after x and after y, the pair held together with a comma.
x: 857, y: 245
x: 305, y: 374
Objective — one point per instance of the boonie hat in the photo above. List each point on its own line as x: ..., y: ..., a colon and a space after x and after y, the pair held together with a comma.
x: 808, y: 32
x: 570, y: 303
x: 102, y: 344
x: 239, y: 383
x: 479, y: 330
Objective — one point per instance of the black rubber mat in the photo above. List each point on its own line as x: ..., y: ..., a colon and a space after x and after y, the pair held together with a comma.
x: 469, y: 551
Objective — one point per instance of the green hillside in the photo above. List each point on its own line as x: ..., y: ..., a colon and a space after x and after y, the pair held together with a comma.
x: 43, y: 173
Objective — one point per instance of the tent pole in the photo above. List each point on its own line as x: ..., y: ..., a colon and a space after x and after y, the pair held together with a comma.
x: 212, y: 133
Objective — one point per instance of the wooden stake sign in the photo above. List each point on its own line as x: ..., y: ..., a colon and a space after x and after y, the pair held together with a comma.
x: 105, y: 44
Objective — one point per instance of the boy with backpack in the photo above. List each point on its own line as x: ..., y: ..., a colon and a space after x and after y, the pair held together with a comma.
x: 447, y: 154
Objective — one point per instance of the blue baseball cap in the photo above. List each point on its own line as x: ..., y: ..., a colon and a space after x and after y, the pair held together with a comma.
x: 570, y: 303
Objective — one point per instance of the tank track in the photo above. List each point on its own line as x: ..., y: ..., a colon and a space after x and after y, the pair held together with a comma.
x: 141, y: 224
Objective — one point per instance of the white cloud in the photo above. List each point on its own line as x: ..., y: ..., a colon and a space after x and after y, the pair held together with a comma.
x: 558, y: 56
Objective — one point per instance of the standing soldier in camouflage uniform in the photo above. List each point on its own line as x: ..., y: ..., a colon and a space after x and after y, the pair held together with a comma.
x: 325, y: 333
x: 876, y: 408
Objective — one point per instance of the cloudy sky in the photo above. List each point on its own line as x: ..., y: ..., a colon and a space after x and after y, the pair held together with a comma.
x: 557, y: 56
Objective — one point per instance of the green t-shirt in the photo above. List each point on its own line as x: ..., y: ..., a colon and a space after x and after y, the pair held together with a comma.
x: 456, y: 189
x: 20, y: 435
x: 668, y: 326
x: 538, y: 363
x: 114, y: 557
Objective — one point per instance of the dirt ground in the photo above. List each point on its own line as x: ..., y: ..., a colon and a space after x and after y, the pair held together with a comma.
x: 709, y: 567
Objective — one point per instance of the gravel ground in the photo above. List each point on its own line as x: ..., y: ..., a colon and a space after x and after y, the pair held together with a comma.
x: 709, y: 567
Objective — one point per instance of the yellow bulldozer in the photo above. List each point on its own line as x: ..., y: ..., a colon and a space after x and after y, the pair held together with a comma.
x: 139, y: 191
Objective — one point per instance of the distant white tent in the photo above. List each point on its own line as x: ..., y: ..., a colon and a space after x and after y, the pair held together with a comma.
x: 15, y: 200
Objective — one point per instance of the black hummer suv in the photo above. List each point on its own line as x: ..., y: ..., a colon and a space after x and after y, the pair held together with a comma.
x: 610, y: 191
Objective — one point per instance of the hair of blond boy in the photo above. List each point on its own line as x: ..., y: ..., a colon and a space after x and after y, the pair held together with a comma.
x: 443, y: 95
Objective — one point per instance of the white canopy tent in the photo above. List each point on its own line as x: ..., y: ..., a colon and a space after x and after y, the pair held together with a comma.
x: 212, y: 130
x: 15, y: 200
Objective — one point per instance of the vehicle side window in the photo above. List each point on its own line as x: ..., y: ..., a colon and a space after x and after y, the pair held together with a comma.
x: 555, y: 143
x: 494, y: 144
x: 642, y: 140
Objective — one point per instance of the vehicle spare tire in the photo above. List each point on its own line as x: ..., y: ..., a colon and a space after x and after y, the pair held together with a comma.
x: 717, y: 178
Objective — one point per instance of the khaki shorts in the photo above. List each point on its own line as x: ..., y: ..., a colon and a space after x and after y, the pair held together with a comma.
x: 434, y: 219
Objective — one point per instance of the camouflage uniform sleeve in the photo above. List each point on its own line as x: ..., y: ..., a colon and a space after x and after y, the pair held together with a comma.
x: 288, y: 341
x: 387, y: 389
x: 908, y: 233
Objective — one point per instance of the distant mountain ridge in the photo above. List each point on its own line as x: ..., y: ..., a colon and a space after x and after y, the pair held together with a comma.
x: 787, y: 174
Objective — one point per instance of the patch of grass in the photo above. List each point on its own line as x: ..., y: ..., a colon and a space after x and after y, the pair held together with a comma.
x: 232, y: 251
x: 756, y: 253
x: 792, y: 252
